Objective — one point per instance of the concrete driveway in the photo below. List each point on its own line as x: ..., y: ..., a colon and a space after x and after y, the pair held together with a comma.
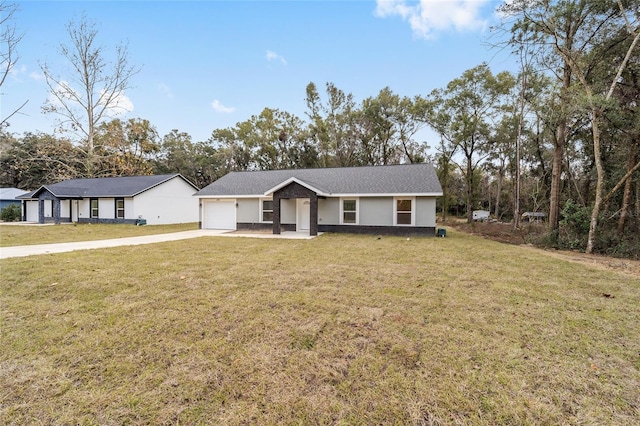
x: 32, y: 250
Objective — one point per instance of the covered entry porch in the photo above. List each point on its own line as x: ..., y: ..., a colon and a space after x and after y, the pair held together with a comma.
x: 306, y: 199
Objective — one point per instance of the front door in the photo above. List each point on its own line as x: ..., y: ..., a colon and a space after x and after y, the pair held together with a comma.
x: 73, y: 206
x: 304, y: 214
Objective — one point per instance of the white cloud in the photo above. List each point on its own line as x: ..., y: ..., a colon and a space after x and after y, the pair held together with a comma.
x: 166, y: 90
x: 37, y: 76
x: 430, y: 16
x: 218, y: 107
x: 120, y: 104
x: 17, y: 72
x: 273, y: 56
x: 63, y: 92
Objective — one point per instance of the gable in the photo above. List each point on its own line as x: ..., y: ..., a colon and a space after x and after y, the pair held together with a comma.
x: 296, y: 186
x: 295, y: 190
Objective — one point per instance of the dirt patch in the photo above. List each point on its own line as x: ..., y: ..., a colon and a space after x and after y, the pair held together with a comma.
x: 504, y: 232
x: 530, y: 234
x: 626, y: 266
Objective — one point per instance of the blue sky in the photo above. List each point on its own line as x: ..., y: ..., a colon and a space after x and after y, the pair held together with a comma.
x: 211, y: 64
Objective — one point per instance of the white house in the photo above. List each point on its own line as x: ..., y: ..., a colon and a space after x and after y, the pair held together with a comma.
x: 397, y: 199
x: 8, y: 196
x: 481, y: 215
x: 161, y: 199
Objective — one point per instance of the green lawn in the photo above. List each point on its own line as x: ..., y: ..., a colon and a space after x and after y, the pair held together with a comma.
x: 22, y: 235
x: 340, y: 329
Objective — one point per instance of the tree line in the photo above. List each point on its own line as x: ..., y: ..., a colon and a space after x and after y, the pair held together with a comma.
x: 562, y: 135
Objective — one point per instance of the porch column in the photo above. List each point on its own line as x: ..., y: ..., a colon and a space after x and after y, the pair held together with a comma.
x: 276, y: 213
x: 313, y: 214
x: 56, y: 211
x: 40, y: 210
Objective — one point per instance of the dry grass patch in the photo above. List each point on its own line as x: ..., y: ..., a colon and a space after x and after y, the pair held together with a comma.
x: 335, y: 330
x: 22, y: 235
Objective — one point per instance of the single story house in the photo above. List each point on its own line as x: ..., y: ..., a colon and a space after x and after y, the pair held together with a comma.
x: 481, y: 215
x: 397, y: 199
x: 8, y: 196
x: 534, y: 217
x: 154, y: 200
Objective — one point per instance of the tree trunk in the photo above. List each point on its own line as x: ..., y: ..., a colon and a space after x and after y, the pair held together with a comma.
x: 469, y: 191
x: 626, y: 198
x: 637, y: 215
x: 556, y: 175
x: 593, y: 225
x: 497, y: 210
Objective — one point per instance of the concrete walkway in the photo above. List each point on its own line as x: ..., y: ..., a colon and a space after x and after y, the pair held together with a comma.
x: 32, y: 250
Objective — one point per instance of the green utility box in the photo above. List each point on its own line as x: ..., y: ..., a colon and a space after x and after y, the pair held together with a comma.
x: 441, y: 232
x: 140, y: 222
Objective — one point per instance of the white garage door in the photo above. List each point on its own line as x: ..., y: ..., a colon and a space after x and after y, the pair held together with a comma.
x: 220, y: 214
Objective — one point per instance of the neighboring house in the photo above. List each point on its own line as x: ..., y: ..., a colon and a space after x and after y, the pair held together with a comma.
x: 481, y: 215
x: 161, y: 199
x: 534, y: 217
x: 8, y: 196
x: 398, y: 199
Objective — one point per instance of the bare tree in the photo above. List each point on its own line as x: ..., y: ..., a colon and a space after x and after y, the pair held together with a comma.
x: 9, y: 40
x: 93, y: 91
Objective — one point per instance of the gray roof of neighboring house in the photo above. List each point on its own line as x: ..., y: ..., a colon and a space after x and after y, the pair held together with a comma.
x: 127, y: 186
x: 10, y: 193
x: 396, y: 179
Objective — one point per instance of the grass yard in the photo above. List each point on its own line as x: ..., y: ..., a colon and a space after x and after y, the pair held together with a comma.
x: 340, y: 329
x: 23, y: 235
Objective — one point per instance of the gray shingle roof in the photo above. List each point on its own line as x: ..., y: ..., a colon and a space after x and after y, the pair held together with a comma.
x: 397, y: 179
x: 128, y: 186
x: 10, y: 193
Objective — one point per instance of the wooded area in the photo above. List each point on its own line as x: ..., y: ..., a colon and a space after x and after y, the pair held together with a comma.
x: 561, y: 136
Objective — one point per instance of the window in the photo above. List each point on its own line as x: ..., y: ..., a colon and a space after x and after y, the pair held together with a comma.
x: 267, y: 210
x: 404, y: 211
x: 94, y: 207
x: 349, y: 211
x: 119, y: 208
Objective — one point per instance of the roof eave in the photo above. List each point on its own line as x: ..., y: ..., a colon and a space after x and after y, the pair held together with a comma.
x: 389, y: 194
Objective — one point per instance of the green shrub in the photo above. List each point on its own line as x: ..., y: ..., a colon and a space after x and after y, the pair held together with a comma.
x: 574, y: 226
x: 11, y: 213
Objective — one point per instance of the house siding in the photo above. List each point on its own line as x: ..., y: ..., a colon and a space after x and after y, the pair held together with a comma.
x: 329, y: 211
x: 288, y: 212
x: 170, y: 202
x: 418, y: 231
x: 106, y: 208
x: 375, y: 216
x: 106, y: 211
x: 376, y: 211
x: 128, y: 208
x: 426, y: 211
x: 248, y: 210
x: 7, y: 203
x: 248, y: 214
